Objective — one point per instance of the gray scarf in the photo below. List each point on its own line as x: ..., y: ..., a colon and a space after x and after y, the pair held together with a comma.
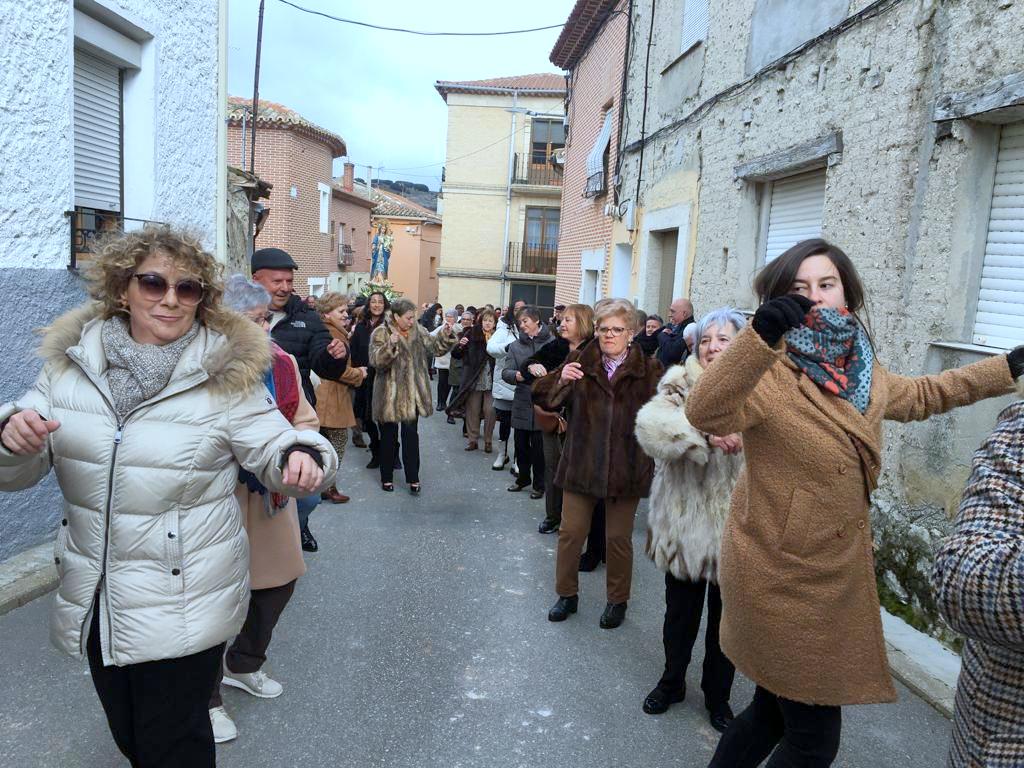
x: 137, y: 372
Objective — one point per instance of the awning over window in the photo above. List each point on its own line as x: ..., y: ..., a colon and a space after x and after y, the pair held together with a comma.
x: 595, y: 160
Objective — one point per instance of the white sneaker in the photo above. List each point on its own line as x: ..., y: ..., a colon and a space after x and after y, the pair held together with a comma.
x: 223, y: 726
x: 257, y: 683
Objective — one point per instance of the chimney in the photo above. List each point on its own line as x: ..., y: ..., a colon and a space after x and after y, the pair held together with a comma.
x: 346, y: 182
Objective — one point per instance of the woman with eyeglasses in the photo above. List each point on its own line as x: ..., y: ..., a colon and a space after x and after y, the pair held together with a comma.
x: 150, y: 401
x: 604, y: 385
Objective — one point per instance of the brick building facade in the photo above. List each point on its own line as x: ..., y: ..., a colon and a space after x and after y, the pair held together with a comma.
x: 324, y: 225
x: 592, y: 48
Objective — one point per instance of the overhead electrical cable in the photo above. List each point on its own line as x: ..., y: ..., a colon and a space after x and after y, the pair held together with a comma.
x: 418, y: 31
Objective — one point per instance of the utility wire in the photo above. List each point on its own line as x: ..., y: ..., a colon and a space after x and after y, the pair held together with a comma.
x: 417, y: 31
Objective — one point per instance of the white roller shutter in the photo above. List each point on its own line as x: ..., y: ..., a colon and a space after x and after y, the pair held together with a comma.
x: 797, y: 204
x: 97, y: 133
x: 1000, y: 318
x: 696, y: 19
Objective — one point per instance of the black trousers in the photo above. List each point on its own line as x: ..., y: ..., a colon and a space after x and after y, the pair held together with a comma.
x: 410, y: 450
x: 444, y: 389
x: 504, y: 424
x: 248, y: 651
x: 801, y: 735
x: 530, y: 457
x: 684, y: 605
x: 158, y: 711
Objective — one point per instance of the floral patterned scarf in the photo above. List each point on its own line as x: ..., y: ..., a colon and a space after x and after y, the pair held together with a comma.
x: 835, y: 353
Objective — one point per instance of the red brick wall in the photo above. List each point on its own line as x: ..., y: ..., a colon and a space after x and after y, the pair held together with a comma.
x: 596, y: 84
x: 287, y: 159
x: 356, y: 219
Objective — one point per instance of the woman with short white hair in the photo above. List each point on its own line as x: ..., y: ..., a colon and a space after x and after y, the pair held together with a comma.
x: 693, y: 481
x: 604, y: 386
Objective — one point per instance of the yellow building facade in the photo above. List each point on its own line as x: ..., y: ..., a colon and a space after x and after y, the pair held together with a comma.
x: 501, y: 194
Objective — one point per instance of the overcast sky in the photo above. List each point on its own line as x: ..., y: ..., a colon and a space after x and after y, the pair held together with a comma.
x: 376, y: 88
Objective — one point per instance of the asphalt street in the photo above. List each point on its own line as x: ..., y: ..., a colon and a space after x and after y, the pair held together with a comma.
x: 419, y: 638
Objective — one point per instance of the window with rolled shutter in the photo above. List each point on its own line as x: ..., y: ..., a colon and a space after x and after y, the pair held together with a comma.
x: 696, y: 19
x: 796, y: 207
x: 1000, y: 319
x: 97, y: 86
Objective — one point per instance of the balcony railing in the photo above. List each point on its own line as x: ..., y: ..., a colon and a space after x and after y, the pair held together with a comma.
x: 86, y: 225
x: 529, y: 170
x: 346, y: 255
x: 532, y: 259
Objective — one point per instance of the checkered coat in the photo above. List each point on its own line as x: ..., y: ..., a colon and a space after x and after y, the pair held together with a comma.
x: 979, y: 585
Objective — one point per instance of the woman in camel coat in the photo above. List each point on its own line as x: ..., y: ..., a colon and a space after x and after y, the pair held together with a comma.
x: 801, y: 613
x: 334, y: 398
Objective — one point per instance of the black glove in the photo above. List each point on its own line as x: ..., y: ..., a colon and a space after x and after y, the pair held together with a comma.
x: 1015, y: 359
x: 776, y: 316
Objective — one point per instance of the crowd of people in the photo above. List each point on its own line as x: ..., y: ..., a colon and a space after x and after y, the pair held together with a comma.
x: 195, y: 424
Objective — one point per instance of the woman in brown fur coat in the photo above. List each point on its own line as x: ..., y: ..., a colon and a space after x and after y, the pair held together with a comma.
x: 604, y: 385
x: 801, y: 615
x: 400, y: 351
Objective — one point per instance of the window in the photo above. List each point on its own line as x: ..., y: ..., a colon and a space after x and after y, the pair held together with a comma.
x: 542, y: 229
x: 547, y: 136
x: 535, y: 294
x: 597, y: 160
x: 97, y: 126
x: 1000, y: 318
x: 696, y: 19
x: 325, y: 208
x: 795, y: 206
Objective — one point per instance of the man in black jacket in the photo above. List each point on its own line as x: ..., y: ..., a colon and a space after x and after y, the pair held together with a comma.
x: 300, y: 332
x: 671, y: 344
x: 296, y: 328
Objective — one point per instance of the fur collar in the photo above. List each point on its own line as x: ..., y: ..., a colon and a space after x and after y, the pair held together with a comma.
x: 235, y: 353
x: 679, y: 379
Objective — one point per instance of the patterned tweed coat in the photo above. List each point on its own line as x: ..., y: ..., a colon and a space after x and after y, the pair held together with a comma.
x: 979, y: 586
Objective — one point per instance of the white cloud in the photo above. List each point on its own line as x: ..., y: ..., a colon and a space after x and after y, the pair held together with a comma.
x: 376, y: 88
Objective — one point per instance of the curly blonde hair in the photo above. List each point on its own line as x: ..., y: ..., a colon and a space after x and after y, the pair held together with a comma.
x: 118, y: 255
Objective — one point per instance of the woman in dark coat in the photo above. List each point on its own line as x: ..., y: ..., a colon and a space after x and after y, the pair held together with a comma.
x: 576, y: 329
x: 605, y: 385
x: 529, y: 445
x: 474, y: 395
x: 373, y: 315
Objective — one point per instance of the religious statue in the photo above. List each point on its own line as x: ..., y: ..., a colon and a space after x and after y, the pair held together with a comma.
x: 380, y: 250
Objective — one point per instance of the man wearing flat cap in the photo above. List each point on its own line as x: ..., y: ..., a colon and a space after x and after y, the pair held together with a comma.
x: 300, y: 332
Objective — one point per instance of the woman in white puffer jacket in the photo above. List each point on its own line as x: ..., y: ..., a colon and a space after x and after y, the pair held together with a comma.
x: 149, y: 401
x: 502, y: 393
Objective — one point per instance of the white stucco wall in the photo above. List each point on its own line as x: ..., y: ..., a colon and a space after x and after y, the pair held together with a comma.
x: 171, y: 121
x: 172, y: 171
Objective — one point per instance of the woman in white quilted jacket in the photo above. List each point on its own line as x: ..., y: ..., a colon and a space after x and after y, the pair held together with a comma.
x: 150, y: 399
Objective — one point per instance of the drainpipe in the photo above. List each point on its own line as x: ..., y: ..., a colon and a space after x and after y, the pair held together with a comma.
x: 508, y: 193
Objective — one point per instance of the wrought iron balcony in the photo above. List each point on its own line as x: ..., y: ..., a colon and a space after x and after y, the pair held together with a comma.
x: 529, y: 169
x: 87, y: 225
x: 533, y: 259
x: 346, y: 255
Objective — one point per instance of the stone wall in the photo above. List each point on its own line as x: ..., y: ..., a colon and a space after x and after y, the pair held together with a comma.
x: 906, y: 198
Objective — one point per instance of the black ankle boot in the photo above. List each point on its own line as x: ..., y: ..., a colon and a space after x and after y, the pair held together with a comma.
x: 560, y: 610
x: 613, y: 615
x: 662, y: 697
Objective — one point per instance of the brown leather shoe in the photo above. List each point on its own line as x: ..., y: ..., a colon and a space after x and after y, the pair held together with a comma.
x: 472, y: 447
x: 334, y: 496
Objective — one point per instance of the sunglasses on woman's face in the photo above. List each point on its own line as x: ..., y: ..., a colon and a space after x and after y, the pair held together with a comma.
x: 153, y: 287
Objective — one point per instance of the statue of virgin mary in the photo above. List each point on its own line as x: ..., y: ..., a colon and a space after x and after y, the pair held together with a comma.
x: 380, y: 250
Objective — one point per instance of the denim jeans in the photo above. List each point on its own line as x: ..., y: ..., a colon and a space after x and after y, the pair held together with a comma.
x: 305, y: 506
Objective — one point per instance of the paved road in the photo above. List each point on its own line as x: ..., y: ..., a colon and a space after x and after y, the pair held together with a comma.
x: 418, y: 639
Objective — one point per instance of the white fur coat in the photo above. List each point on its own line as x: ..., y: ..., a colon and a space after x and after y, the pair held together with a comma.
x: 693, y: 482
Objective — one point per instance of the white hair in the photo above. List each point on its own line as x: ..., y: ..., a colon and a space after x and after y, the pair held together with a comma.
x: 242, y: 294
x: 721, y: 316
